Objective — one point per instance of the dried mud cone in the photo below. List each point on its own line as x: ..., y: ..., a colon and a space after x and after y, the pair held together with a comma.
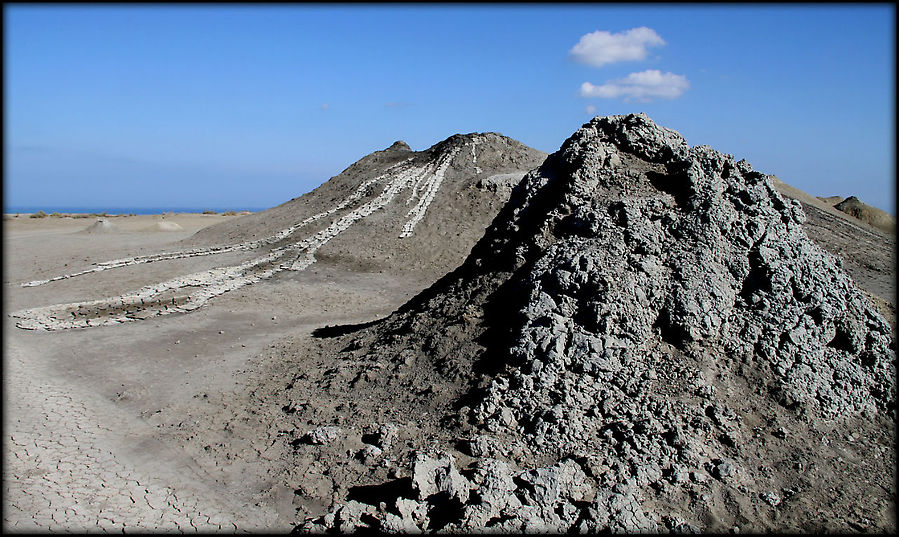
x: 653, y: 343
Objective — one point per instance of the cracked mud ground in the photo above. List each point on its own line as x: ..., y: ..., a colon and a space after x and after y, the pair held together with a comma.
x: 69, y: 467
x: 101, y: 425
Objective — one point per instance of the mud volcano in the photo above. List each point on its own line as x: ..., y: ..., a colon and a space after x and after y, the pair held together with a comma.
x: 412, y: 213
x: 645, y: 339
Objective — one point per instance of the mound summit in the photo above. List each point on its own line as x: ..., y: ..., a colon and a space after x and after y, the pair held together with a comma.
x: 402, y: 210
x: 645, y: 339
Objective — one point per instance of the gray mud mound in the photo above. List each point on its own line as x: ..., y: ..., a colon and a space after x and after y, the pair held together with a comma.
x: 436, y: 205
x: 645, y: 339
x: 164, y: 226
x: 412, y: 214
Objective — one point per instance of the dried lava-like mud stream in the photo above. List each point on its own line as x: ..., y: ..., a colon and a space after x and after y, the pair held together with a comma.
x: 71, y: 458
x: 189, y: 292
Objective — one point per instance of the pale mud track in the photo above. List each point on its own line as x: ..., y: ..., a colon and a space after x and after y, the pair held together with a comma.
x: 105, y: 428
x: 189, y: 292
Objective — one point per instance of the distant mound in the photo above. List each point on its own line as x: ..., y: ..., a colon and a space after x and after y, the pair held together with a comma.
x: 397, y: 209
x: 831, y: 200
x: 162, y: 225
x: 644, y: 340
x: 102, y: 225
x: 870, y: 215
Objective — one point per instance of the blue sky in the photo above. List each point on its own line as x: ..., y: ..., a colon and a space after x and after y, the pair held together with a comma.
x: 240, y: 106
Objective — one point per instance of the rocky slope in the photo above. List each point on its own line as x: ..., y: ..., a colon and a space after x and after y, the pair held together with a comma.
x: 411, y: 213
x: 645, y: 339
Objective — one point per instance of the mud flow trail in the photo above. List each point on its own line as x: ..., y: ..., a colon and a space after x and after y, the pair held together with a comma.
x: 282, y: 252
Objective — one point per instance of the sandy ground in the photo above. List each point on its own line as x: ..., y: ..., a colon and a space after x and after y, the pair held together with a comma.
x: 107, y: 428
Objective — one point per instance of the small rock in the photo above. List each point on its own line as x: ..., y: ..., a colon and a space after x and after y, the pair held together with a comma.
x: 724, y: 469
x: 369, y: 453
x: 385, y: 435
x: 771, y: 498
x: 322, y: 435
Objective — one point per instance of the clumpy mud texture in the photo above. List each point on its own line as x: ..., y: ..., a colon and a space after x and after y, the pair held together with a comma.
x: 868, y: 254
x: 644, y: 340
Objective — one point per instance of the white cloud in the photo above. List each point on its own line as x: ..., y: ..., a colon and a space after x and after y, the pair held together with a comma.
x: 591, y: 109
x: 600, y: 47
x: 643, y: 86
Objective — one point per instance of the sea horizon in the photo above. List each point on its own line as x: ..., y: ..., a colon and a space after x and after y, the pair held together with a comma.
x: 49, y: 209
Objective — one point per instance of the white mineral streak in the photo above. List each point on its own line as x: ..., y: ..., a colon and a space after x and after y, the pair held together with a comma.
x: 200, y: 287
x: 247, y: 245
x: 421, y: 180
x: 474, y: 155
x: 431, y: 187
x: 400, y: 182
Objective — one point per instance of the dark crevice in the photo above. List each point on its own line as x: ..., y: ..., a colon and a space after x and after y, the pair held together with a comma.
x: 675, y: 182
x: 758, y: 278
x: 445, y: 510
x: 670, y: 332
x: 842, y: 341
x: 387, y: 492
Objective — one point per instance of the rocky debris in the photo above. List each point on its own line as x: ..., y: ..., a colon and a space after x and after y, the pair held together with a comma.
x: 433, y: 476
x: 369, y: 453
x: 322, y: 435
x: 496, y: 498
x: 385, y: 435
x: 501, y: 182
x: 483, y: 446
x: 633, y: 314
